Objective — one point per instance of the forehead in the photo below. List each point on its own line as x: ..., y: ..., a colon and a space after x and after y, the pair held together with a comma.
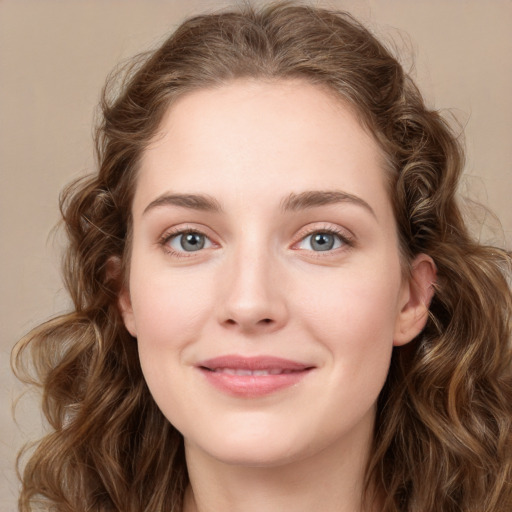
x: 250, y: 135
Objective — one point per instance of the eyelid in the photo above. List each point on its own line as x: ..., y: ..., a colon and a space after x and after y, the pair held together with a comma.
x: 346, y: 236
x: 175, y: 231
x: 179, y: 239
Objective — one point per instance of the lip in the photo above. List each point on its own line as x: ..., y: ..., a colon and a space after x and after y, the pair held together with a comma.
x: 251, y: 377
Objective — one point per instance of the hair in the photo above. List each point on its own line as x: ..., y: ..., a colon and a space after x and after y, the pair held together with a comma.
x: 443, y: 430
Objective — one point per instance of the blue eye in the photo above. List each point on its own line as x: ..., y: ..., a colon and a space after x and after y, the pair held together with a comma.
x: 189, y: 242
x: 321, y: 241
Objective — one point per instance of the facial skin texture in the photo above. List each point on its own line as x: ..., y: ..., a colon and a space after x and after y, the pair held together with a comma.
x: 258, y: 287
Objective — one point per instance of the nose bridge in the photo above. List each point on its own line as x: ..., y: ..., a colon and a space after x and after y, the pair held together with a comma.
x: 253, y: 298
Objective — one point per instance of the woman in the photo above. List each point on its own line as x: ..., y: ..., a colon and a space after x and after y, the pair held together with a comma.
x: 277, y: 303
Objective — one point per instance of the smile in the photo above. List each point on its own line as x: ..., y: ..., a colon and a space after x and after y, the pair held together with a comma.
x: 239, y: 371
x: 250, y: 377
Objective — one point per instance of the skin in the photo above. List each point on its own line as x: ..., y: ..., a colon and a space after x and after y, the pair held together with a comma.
x: 259, y: 287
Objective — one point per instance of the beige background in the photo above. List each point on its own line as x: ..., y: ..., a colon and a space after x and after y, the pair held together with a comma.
x: 54, y: 57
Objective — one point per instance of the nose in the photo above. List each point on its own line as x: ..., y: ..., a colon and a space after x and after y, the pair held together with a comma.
x: 254, y: 297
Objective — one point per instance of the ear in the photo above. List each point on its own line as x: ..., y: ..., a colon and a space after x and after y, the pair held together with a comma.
x: 124, y: 303
x: 125, y: 307
x: 417, y: 293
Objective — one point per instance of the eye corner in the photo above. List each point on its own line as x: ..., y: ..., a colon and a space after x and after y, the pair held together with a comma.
x: 323, y: 240
x: 174, y: 242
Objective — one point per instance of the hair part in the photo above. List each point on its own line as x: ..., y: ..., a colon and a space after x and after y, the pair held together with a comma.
x: 443, y: 432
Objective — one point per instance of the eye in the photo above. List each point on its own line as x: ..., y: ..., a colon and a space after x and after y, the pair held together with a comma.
x: 189, y: 241
x: 321, y: 241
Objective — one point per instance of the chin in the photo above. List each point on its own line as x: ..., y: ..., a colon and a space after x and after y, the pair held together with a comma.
x: 255, y: 456
x: 256, y: 448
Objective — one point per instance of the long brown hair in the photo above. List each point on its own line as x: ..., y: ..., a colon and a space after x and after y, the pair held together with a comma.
x: 443, y: 432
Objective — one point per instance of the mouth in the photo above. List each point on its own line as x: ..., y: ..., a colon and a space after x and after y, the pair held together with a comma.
x: 240, y: 371
x: 251, y: 377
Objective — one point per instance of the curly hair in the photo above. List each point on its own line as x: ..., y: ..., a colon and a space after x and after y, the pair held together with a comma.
x: 443, y: 431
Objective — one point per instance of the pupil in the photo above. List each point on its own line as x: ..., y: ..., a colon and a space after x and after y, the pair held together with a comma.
x: 322, y: 242
x: 192, y: 242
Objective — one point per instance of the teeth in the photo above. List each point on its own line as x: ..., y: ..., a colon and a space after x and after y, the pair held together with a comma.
x: 257, y: 373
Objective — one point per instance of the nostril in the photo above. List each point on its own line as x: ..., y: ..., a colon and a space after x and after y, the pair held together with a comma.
x: 249, y: 324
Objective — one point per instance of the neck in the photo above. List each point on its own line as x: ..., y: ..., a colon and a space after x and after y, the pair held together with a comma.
x: 330, y: 481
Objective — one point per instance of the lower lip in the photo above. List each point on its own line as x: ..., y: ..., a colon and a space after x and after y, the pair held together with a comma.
x: 250, y: 386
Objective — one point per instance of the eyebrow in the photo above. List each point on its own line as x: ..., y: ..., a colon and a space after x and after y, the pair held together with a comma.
x: 293, y: 202
x: 199, y: 202
x: 314, y: 198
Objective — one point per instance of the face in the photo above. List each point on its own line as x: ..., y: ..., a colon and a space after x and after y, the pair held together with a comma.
x: 265, y: 287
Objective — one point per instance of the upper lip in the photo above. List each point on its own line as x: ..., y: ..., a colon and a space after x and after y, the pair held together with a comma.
x: 253, y: 363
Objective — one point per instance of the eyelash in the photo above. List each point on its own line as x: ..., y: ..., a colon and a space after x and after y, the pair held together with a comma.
x: 169, y: 235
x: 347, y: 241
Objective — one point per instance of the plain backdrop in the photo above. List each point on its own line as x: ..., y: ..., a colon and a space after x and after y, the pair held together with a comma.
x: 54, y: 57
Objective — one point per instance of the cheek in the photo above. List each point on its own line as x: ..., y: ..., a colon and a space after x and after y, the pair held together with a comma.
x: 168, y: 310
x: 352, y: 306
x: 171, y: 310
x: 353, y: 316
